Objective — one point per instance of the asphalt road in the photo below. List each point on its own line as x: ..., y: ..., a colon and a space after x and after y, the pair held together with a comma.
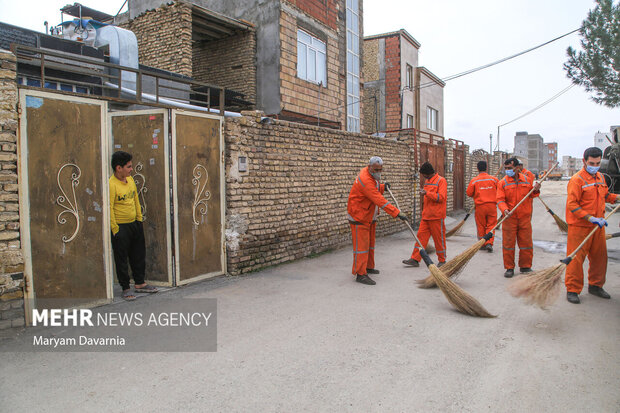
x: 305, y: 337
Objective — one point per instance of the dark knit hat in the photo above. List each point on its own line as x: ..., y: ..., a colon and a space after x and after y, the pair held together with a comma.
x: 482, y: 166
x: 427, y: 169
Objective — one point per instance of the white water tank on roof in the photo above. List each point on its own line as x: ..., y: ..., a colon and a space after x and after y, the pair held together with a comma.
x: 123, y: 47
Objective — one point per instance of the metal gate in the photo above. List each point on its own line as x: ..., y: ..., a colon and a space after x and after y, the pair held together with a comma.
x: 64, y: 216
x: 144, y: 134
x: 65, y: 147
x: 198, y: 176
x: 459, y: 178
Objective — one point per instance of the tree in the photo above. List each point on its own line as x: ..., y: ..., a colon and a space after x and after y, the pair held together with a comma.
x: 597, y: 67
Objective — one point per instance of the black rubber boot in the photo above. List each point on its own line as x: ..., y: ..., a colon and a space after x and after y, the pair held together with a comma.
x: 598, y: 291
x: 411, y: 262
x: 509, y: 273
x: 372, y: 271
x: 572, y: 298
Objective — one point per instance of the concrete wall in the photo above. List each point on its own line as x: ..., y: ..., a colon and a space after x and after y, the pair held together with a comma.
x: 292, y: 202
x: 430, y: 96
x: 265, y: 15
x: 11, y: 257
x: 408, y: 56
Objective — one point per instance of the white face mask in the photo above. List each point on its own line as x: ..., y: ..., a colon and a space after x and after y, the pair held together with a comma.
x: 592, y: 170
x: 376, y: 175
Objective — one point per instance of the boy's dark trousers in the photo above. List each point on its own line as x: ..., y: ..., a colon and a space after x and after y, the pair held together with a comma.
x: 128, y: 243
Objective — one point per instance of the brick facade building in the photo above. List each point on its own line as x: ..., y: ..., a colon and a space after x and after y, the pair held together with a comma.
x: 398, y: 93
x: 290, y: 59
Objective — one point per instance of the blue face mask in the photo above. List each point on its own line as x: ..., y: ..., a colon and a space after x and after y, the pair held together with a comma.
x: 510, y: 172
x: 592, y: 170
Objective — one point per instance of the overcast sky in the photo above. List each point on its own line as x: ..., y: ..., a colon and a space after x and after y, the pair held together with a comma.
x: 458, y: 35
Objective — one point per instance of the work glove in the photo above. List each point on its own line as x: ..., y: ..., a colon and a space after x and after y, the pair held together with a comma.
x: 402, y: 216
x: 598, y: 221
x: 387, y: 186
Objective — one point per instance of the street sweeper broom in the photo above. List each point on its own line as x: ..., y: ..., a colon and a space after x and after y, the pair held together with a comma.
x: 458, y: 297
x: 542, y: 288
x: 455, y: 265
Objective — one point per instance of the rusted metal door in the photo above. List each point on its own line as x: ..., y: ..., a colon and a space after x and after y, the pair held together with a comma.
x: 459, y: 178
x: 144, y: 134
x: 64, y: 199
x: 198, y: 182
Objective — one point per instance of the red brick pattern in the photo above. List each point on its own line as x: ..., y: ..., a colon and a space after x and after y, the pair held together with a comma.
x: 324, y: 11
x: 392, y: 83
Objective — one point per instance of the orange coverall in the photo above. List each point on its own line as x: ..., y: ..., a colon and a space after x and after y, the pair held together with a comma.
x: 587, y: 195
x: 517, y: 227
x: 483, y: 189
x: 433, y: 217
x: 365, y: 199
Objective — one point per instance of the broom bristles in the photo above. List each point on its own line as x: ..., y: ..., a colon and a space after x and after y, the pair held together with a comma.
x: 540, y: 288
x: 458, y: 297
x: 456, y: 230
x: 453, y: 267
x: 562, y: 225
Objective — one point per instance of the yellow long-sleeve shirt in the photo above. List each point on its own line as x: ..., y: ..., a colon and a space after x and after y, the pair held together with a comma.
x: 124, y: 203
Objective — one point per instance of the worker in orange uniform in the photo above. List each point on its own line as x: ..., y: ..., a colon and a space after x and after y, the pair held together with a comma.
x: 435, y: 193
x: 528, y: 174
x: 483, y: 188
x: 585, y: 209
x: 365, y: 199
x: 518, y: 226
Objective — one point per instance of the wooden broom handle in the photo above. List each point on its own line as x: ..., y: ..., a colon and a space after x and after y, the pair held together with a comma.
x: 572, y: 255
x: 543, y: 202
x: 525, y: 197
x: 406, y: 222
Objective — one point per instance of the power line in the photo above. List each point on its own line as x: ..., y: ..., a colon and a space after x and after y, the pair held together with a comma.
x: 551, y: 99
x: 467, y: 72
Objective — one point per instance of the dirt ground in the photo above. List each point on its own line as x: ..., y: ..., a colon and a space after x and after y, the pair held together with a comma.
x: 305, y: 337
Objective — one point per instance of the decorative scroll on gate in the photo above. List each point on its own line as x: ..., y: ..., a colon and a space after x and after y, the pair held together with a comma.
x: 68, y: 206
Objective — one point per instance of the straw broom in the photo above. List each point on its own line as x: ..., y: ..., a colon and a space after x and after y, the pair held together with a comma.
x: 614, y: 235
x: 459, y: 227
x: 542, y: 288
x: 458, y: 263
x: 458, y: 297
x: 562, y: 225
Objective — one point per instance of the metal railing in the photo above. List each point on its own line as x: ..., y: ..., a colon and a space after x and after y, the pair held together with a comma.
x: 112, y: 81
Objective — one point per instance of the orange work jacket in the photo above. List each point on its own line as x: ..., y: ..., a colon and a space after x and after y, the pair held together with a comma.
x: 435, y: 199
x: 510, y: 191
x: 587, y: 195
x: 529, y: 175
x: 483, y: 189
x: 366, y: 198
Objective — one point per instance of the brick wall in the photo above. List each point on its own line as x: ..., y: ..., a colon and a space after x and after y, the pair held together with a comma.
x: 11, y: 258
x: 307, y: 98
x: 165, y: 37
x: 292, y: 202
x: 229, y: 63
x: 325, y: 11
x: 392, y: 83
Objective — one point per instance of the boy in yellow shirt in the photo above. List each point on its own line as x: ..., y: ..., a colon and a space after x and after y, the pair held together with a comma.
x: 126, y: 222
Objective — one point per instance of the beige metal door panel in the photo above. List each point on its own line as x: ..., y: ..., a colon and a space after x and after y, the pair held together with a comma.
x: 64, y: 198
x: 199, y: 196
x: 144, y: 134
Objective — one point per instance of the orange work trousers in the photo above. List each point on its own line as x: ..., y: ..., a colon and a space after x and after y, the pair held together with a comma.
x: 435, y: 228
x: 519, y: 230
x: 363, y: 237
x: 596, y: 251
x: 486, y: 218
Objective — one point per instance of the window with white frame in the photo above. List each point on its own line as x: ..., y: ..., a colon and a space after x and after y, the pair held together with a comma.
x: 409, y: 80
x: 409, y: 121
x: 311, y: 58
x: 353, y: 66
x: 431, y: 118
